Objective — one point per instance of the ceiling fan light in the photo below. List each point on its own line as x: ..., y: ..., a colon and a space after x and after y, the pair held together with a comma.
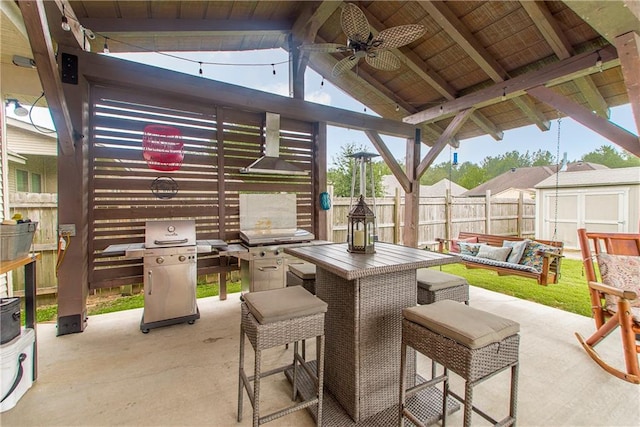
x: 65, y: 24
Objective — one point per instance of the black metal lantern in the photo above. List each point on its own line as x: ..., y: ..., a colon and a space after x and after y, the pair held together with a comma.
x: 361, y: 229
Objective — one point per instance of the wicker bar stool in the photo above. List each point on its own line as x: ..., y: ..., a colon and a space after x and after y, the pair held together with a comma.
x: 302, y: 275
x: 472, y: 343
x: 274, y: 318
x: 434, y: 285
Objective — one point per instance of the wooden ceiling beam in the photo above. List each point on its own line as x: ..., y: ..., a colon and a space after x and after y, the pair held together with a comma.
x: 577, y: 112
x: 628, y: 46
x: 553, y: 34
x: 107, y: 69
x: 450, y: 23
x: 388, y: 158
x: 442, y: 142
x: 553, y: 74
x: 487, y: 125
x: 304, y: 30
x: 35, y: 22
x: 218, y: 27
x: 527, y: 106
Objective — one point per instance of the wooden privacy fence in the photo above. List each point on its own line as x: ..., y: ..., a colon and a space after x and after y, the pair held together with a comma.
x: 438, y: 217
x: 43, y: 208
x: 441, y: 217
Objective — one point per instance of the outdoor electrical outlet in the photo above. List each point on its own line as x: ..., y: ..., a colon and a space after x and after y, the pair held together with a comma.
x: 67, y: 229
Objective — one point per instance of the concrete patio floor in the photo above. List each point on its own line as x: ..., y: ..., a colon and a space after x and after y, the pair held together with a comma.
x: 180, y: 375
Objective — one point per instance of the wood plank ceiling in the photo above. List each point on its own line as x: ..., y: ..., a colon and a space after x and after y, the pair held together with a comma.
x: 487, y: 56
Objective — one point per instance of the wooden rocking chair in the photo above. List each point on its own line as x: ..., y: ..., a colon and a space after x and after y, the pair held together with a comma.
x: 608, y: 314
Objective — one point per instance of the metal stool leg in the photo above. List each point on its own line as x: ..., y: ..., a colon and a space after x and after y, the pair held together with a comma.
x: 468, y: 403
x: 256, y: 389
x: 403, y: 374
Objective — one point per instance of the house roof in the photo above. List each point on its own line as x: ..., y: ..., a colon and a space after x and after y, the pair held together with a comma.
x: 439, y: 189
x: 493, y: 59
x: 594, y: 178
x: 525, y: 178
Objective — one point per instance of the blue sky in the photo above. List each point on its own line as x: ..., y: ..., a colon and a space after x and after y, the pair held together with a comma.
x: 575, y: 139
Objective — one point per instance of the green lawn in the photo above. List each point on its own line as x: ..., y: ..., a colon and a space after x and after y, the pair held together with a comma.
x: 569, y: 294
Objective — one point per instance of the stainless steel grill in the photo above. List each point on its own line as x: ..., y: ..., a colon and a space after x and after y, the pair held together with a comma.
x: 268, y: 225
x: 170, y: 274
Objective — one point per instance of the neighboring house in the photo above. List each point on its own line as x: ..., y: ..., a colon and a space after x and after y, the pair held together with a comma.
x: 599, y: 200
x: 32, y: 183
x: 439, y: 189
x: 523, y: 180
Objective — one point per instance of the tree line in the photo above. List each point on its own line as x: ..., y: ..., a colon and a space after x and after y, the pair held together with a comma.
x: 467, y: 174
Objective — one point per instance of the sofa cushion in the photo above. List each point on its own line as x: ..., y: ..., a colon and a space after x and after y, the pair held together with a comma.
x: 469, y: 248
x: 491, y: 262
x: 455, y: 248
x: 492, y: 252
x: 517, y: 249
x: 532, y: 258
x: 305, y: 271
x: 622, y: 272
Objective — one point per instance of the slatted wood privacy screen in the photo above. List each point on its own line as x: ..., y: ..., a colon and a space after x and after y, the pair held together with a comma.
x: 218, y: 141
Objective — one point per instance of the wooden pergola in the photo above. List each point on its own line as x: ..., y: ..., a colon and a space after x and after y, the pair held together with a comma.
x: 482, y: 67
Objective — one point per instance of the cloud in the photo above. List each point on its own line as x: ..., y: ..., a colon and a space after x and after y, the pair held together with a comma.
x: 277, y: 88
x: 319, y: 97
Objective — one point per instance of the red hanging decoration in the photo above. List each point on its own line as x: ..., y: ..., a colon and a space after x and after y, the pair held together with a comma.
x: 162, y: 147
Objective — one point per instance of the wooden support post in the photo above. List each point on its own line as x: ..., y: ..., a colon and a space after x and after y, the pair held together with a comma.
x: 396, y: 217
x: 412, y: 198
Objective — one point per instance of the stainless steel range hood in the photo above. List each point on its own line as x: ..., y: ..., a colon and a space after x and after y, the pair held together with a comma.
x: 271, y: 163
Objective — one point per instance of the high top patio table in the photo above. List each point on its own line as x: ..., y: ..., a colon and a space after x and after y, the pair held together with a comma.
x: 363, y: 324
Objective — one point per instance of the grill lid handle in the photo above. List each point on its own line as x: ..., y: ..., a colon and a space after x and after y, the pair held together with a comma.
x: 170, y: 242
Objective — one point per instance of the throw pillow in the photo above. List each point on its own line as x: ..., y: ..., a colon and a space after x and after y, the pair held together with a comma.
x: 517, y: 249
x: 469, y: 248
x: 455, y: 247
x: 622, y: 272
x: 531, y: 256
x: 494, y: 253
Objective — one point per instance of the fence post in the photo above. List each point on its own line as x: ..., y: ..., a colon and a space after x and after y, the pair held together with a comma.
x: 487, y: 212
x: 519, y: 222
x: 448, y: 200
x: 330, y: 215
x: 396, y: 217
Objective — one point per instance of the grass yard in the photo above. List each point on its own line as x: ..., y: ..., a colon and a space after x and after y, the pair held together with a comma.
x: 570, y: 293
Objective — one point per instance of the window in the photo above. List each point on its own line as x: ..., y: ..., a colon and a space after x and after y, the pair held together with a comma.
x: 36, y: 183
x: 22, y: 180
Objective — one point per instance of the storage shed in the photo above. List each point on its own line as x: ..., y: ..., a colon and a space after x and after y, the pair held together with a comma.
x: 599, y: 200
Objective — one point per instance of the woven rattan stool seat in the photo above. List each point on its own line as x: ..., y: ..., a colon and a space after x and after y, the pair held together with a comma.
x: 470, y: 342
x: 275, y: 318
x: 434, y: 285
x: 302, y: 275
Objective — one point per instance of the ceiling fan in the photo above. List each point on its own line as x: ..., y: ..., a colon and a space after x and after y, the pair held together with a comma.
x: 362, y: 44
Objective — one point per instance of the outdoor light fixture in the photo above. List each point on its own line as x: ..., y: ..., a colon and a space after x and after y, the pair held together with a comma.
x: 599, y: 62
x: 361, y: 229
x: 18, y: 109
x: 106, y: 46
x: 24, y: 62
x: 65, y: 22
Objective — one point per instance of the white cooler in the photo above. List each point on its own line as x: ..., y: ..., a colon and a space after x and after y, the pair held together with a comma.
x: 11, y: 353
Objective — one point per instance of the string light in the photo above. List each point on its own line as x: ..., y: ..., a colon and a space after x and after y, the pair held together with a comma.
x: 65, y: 22
x: 106, y: 46
x: 322, y: 82
x: 397, y: 107
x: 200, y: 70
x: 504, y: 94
x: 274, y: 69
x: 599, y: 62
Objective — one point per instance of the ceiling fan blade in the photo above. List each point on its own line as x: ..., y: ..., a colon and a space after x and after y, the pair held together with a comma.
x: 384, y: 60
x: 354, y: 23
x: 324, y: 47
x: 401, y: 35
x: 344, y: 64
